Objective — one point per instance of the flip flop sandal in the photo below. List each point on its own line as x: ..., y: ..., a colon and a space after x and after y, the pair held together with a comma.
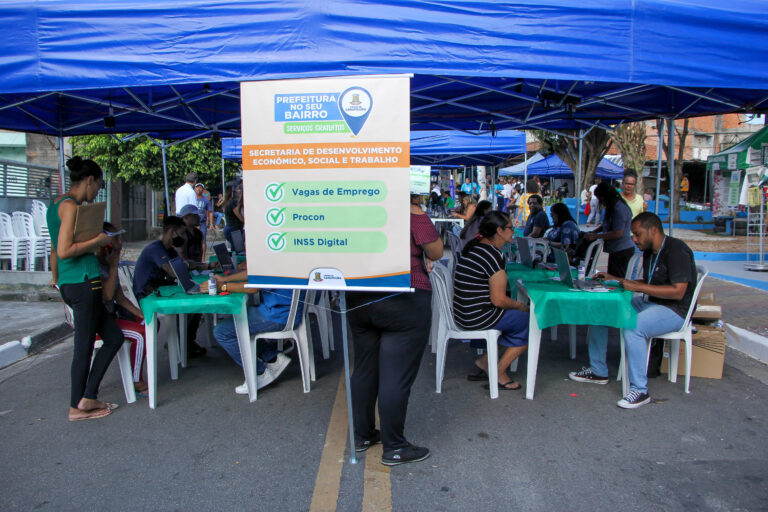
x: 111, y: 406
x: 106, y: 412
x: 478, y: 376
x: 505, y: 387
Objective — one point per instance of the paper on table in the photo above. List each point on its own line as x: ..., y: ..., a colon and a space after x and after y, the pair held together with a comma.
x: 89, y: 221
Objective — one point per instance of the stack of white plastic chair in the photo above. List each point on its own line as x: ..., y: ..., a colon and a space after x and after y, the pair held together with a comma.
x: 37, y: 246
x: 11, y: 247
x: 40, y: 220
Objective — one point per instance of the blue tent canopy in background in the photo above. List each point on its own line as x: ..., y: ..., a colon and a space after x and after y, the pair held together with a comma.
x: 553, y: 167
x: 173, y: 68
x: 438, y: 147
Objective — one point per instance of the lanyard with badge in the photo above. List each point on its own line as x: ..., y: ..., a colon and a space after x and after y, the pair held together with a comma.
x: 652, y: 266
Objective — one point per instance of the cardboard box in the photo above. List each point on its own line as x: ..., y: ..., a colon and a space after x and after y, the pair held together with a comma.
x: 708, y: 354
x: 707, y: 310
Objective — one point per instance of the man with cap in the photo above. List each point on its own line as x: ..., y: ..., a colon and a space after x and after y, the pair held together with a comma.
x: 205, y: 210
x: 185, y: 194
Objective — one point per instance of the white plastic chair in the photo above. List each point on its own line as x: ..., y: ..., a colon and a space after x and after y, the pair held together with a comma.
x: 298, y: 334
x: 123, y: 358
x: 37, y: 246
x: 449, y: 330
x: 317, y: 304
x: 685, y: 334
x: 591, y: 257
x: 11, y: 246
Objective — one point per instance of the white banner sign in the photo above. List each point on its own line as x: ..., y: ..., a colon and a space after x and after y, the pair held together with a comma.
x: 326, y: 182
x: 420, y: 179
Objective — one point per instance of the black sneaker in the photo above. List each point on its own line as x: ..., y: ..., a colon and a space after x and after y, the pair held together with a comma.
x: 633, y: 400
x: 194, y: 350
x: 363, y: 445
x: 404, y: 455
x: 586, y: 375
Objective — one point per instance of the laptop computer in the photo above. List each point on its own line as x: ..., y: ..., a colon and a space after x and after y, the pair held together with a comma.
x: 225, y: 258
x: 183, y: 277
x: 564, y: 271
x: 526, y: 258
x: 238, y: 241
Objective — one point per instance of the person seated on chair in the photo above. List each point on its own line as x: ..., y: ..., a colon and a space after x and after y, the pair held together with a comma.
x: 471, y: 228
x: 669, y: 280
x: 480, y: 298
x: 270, y: 315
x: 467, y: 206
x: 153, y: 268
x: 564, y: 233
x: 129, y: 318
x: 193, y: 252
x: 538, y: 222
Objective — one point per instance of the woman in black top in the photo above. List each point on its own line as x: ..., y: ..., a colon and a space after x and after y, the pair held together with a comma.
x: 480, y: 298
x: 234, y: 214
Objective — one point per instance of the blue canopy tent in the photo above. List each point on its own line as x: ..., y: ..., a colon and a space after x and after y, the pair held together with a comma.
x: 438, y: 147
x: 553, y: 167
x: 173, y: 68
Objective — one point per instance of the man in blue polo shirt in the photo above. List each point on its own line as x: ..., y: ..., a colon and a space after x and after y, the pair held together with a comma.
x: 469, y: 187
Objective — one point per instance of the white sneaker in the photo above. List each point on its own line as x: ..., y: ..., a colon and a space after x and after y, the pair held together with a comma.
x: 262, y: 380
x: 280, y: 364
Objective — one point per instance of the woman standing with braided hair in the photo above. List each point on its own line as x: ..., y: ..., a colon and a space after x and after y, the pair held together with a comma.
x: 76, y: 270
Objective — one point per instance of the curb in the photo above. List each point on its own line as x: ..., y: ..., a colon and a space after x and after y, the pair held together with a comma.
x: 747, y: 342
x: 15, y: 351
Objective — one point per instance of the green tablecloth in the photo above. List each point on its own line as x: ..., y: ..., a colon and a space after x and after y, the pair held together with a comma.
x: 557, y: 304
x: 516, y: 271
x: 174, y: 301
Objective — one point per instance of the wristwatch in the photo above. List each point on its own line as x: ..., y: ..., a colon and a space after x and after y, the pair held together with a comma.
x: 224, y: 287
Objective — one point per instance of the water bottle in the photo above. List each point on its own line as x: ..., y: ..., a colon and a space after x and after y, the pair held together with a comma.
x: 211, y: 285
x: 582, y: 272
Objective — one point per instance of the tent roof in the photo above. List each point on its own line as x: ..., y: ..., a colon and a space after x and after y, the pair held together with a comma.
x: 437, y: 147
x: 174, y: 67
x: 552, y: 166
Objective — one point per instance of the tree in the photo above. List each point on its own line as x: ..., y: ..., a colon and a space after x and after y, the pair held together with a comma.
x: 139, y: 160
x: 682, y: 134
x: 595, y: 145
x: 630, y: 140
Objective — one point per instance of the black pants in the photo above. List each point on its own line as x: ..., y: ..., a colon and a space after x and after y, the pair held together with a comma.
x: 619, y: 261
x: 91, y: 318
x: 389, y: 337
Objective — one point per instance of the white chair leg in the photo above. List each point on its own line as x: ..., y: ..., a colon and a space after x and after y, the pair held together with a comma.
x: 303, y: 350
x: 688, y: 356
x: 674, y: 359
x: 183, y: 340
x: 441, y: 346
x: 124, y: 361
x: 624, y: 369
x: 572, y: 340
x: 513, y: 366
x: 310, y: 352
x: 553, y: 332
x: 493, y: 367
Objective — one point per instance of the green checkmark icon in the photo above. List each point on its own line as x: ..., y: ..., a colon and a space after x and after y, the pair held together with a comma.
x: 275, y: 192
x: 275, y: 217
x: 276, y: 241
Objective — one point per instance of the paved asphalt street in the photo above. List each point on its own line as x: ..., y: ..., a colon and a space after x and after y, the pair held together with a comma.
x: 205, y: 448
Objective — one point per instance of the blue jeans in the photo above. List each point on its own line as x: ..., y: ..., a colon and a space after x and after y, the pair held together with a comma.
x: 652, y: 320
x: 226, y: 336
x: 217, y: 218
x: 514, y: 330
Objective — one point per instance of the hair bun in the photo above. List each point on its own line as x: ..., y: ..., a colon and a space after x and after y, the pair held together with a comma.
x: 75, y: 163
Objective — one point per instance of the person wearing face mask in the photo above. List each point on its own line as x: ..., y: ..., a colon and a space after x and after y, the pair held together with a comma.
x: 75, y: 270
x: 153, y: 268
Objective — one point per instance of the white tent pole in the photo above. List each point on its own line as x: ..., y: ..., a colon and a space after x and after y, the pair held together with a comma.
x: 658, y: 169
x: 671, y: 166
x: 62, y: 183
x: 223, y: 181
x: 578, y: 179
x: 165, y: 180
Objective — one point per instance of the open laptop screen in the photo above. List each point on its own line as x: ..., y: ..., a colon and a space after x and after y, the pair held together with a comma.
x: 182, y: 274
x: 225, y: 259
x: 238, y: 242
x: 563, y: 268
x: 525, y: 251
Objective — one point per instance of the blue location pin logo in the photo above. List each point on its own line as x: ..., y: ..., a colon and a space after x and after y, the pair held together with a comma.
x: 355, y: 105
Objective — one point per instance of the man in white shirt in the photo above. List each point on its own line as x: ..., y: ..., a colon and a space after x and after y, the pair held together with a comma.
x: 594, y: 204
x: 185, y: 194
x: 507, y: 192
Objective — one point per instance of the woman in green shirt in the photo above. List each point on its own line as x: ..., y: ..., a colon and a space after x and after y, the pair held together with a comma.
x: 76, y: 271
